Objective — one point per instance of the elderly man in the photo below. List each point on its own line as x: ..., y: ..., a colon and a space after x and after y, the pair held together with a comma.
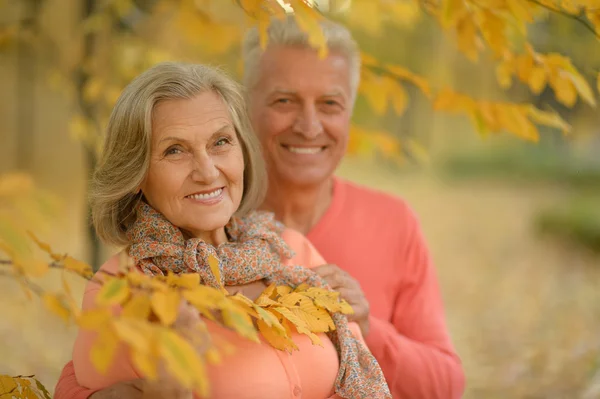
x: 301, y: 107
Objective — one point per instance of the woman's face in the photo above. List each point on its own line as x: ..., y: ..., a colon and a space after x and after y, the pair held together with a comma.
x: 196, y: 173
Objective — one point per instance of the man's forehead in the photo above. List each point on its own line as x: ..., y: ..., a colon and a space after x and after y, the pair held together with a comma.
x: 325, y: 92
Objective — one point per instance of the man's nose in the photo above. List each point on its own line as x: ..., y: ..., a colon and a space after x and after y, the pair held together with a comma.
x: 308, y: 123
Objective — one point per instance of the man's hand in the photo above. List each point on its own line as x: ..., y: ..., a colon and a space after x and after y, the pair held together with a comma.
x: 250, y: 290
x: 349, y: 290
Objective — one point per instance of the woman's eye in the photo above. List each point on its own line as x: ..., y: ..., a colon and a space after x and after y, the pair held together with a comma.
x: 172, y: 151
x: 222, y: 141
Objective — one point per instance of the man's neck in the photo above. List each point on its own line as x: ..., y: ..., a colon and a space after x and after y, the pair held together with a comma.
x: 299, y: 208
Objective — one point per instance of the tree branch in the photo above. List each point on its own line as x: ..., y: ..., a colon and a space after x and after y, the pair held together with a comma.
x: 577, y: 18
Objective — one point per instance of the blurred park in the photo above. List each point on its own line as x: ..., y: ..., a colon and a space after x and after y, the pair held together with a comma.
x: 513, y: 224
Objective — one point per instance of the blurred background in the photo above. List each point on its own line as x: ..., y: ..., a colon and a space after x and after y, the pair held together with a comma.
x: 514, y: 227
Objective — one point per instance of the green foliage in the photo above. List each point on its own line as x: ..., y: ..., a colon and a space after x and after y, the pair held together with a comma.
x: 529, y: 165
x: 577, y: 221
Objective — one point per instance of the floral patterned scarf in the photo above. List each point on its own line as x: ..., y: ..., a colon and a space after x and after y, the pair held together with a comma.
x: 253, y: 253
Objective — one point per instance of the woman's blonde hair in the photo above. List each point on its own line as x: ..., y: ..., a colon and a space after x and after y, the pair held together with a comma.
x: 125, y: 159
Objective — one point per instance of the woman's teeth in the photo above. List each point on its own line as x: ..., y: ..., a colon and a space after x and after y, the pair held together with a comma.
x: 213, y: 194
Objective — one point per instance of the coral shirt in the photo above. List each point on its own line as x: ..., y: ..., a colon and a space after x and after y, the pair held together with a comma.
x: 376, y: 238
x: 252, y: 371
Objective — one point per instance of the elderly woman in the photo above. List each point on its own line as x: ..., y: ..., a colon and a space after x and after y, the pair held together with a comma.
x: 179, y: 178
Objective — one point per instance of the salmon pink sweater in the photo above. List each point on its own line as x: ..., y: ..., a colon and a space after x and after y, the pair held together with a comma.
x: 377, y: 239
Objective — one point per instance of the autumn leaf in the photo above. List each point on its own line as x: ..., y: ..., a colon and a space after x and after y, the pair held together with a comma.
x: 31, y: 267
x: 366, y: 15
x: 308, y: 20
x: 103, y: 349
x: 138, y: 307
x: 113, y: 292
x: 56, y: 305
x: 94, y: 319
x: 551, y: 119
x: 44, y: 247
x: 468, y: 39
x: 138, y: 334
x: 77, y: 266
x: 183, y: 362
x: 564, y: 89
x: 165, y: 305
x: 278, y: 340
x: 537, y: 79
x: 237, y: 319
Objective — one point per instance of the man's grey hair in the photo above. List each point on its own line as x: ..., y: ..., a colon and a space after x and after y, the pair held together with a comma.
x: 286, y: 32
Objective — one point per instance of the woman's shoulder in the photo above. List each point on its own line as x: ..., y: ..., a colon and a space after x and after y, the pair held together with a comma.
x: 111, y: 266
x: 305, y: 253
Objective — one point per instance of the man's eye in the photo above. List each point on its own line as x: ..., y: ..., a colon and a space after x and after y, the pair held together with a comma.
x: 283, y: 100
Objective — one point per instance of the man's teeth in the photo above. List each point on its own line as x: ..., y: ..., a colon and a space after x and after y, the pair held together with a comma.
x: 214, y: 194
x: 304, y: 150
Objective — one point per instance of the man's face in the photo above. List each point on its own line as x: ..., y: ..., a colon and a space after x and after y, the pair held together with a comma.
x: 300, y: 108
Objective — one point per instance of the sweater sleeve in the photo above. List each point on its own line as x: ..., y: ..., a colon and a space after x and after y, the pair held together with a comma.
x: 414, y: 349
x: 67, y: 386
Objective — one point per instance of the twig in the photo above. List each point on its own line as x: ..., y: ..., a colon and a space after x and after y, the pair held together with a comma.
x: 577, y: 18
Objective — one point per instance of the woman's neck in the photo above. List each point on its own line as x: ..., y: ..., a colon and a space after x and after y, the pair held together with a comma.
x: 214, y: 238
x: 299, y: 208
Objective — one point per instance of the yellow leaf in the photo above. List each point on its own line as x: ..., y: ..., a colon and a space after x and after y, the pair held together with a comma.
x: 366, y: 15
x: 411, y: 77
x: 398, y: 97
x: 598, y: 82
x: 204, y: 299
x: 468, y: 40
x: 284, y: 290
x: 493, y: 30
x: 113, y: 292
x: 185, y: 280
x: 138, y: 334
x: 298, y: 323
x: 138, y: 307
x: 368, y: 60
x: 7, y: 250
x: 375, y: 91
x: 551, y: 119
x: 103, y: 349
x: 236, y: 318
x: 93, y: 319
x: 77, y: 266
x: 447, y: 100
x: 56, y: 306
x: 165, y: 305
x: 563, y: 89
x: 276, y: 339
x: 317, y: 319
x: 514, y: 119
x: 44, y: 247
x: 452, y: 11
x: 32, y: 267
x: 537, y: 80
x: 582, y: 87
x: 308, y: 20
x: 521, y: 12
x: 12, y: 184
x: 213, y: 262
x: 146, y: 362
x: 183, y: 362
x: 524, y: 66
